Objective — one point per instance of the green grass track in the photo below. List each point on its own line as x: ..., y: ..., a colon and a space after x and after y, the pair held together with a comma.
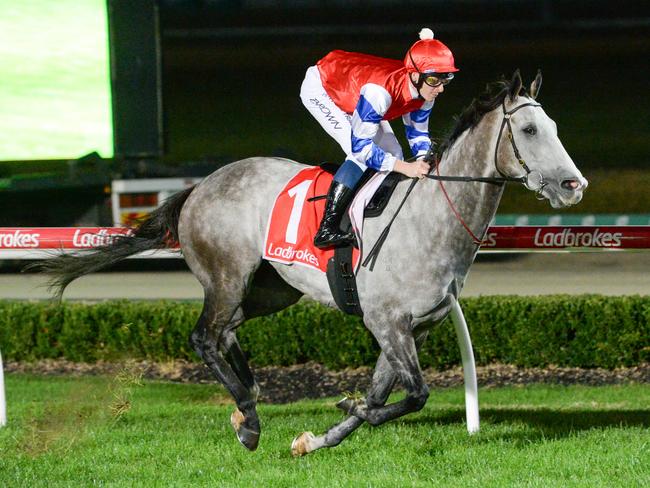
x: 96, y: 431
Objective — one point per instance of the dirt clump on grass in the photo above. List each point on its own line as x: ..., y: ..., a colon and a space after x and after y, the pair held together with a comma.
x: 283, y: 384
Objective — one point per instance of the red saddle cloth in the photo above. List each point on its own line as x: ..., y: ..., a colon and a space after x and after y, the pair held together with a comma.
x: 294, y: 220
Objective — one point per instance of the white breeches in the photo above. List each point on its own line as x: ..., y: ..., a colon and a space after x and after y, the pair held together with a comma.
x: 337, y: 123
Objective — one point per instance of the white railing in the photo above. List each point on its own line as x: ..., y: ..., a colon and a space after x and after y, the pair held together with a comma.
x: 3, y: 403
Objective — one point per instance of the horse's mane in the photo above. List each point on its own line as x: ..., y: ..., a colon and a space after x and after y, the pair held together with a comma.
x: 471, y: 115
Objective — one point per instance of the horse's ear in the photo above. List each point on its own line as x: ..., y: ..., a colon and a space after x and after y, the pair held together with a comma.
x: 515, y: 85
x: 536, y: 85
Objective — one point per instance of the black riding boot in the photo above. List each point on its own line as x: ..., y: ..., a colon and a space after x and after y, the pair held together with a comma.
x: 329, y: 233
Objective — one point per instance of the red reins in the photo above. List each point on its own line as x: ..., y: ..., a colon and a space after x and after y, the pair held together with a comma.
x: 476, y: 240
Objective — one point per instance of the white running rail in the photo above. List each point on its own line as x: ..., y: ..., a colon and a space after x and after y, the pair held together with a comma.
x: 469, y: 368
x: 3, y: 403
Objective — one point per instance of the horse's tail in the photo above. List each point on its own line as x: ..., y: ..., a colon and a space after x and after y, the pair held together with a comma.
x: 158, y: 229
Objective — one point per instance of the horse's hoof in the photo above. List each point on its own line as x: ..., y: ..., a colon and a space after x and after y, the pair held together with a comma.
x: 302, y: 444
x: 247, y: 437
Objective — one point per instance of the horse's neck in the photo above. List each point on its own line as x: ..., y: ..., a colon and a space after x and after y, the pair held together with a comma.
x: 472, y: 154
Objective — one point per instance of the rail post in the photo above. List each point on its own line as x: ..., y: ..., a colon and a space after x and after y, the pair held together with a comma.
x: 469, y: 367
x: 3, y: 405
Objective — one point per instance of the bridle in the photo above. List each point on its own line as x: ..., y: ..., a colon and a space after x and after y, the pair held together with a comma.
x: 524, y: 180
x: 537, y: 187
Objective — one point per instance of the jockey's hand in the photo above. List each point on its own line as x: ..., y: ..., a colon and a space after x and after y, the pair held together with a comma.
x: 416, y: 169
x: 430, y: 156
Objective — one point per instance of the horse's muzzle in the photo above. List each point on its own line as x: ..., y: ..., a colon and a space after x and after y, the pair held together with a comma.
x: 568, y: 191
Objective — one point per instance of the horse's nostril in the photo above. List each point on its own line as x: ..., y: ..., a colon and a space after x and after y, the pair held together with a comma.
x: 570, y: 184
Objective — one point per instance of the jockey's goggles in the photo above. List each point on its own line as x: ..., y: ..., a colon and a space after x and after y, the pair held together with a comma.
x: 437, y: 79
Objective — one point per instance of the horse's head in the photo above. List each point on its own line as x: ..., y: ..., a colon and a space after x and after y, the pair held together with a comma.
x: 529, y: 146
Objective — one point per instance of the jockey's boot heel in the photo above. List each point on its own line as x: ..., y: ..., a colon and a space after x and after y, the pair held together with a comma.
x: 329, y: 232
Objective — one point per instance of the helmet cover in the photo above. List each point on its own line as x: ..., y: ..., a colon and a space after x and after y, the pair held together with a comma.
x: 429, y: 55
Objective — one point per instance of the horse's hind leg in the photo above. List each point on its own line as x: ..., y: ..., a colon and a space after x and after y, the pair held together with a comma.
x: 237, y: 360
x: 236, y: 357
x: 210, y: 341
x: 231, y: 298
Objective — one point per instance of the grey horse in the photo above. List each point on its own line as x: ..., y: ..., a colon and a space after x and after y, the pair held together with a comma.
x: 417, y: 277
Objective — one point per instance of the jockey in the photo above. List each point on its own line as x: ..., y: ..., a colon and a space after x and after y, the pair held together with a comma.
x: 354, y: 95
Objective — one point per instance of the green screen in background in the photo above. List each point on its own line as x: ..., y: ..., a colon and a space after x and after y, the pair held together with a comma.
x: 54, y: 80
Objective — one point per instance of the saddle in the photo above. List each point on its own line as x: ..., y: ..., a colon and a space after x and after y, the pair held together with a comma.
x: 340, y: 271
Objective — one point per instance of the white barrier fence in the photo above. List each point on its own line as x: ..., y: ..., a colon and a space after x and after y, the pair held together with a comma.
x: 38, y: 243
x: 3, y: 403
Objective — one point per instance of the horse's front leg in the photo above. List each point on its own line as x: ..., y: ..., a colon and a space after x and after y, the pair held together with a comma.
x: 398, y: 344
x: 383, y: 381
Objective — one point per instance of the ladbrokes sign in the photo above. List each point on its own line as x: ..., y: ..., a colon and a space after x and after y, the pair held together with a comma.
x: 18, y: 239
x: 572, y: 238
x: 101, y: 238
x: 58, y: 237
x: 556, y: 237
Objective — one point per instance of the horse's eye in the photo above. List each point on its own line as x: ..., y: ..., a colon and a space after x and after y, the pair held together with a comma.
x: 531, y: 130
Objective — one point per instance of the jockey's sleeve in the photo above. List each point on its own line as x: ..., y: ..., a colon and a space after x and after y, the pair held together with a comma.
x: 416, y: 124
x: 373, y: 104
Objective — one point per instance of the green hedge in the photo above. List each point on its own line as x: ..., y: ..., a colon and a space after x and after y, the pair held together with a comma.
x: 584, y: 331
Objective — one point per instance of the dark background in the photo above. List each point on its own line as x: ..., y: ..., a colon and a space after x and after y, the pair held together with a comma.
x: 232, y: 70
x: 229, y: 75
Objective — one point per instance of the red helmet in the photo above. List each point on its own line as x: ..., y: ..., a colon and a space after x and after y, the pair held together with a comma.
x: 429, y: 55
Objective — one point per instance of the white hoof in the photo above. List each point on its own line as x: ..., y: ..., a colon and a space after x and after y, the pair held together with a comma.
x: 303, y: 444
